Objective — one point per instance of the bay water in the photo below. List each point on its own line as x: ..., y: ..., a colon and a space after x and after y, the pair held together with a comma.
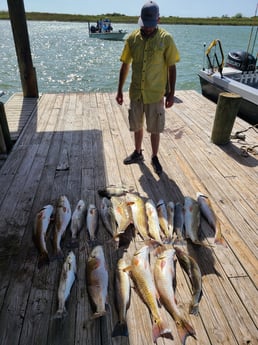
x: 67, y: 60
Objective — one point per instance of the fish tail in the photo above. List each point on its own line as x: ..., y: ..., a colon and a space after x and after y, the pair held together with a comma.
x: 184, y: 330
x: 160, y: 329
x: 120, y: 329
x: 194, y: 309
x: 59, y: 255
x: 220, y: 240
x: 60, y: 314
x: 96, y: 315
x: 74, y: 243
x: 43, y: 259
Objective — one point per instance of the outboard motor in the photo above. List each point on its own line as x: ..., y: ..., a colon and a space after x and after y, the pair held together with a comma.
x: 241, y: 60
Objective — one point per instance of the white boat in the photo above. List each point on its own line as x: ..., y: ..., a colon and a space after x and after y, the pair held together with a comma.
x: 240, y: 76
x: 103, y: 30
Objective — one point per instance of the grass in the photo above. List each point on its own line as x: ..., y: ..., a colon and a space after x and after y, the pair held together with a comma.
x: 120, y: 18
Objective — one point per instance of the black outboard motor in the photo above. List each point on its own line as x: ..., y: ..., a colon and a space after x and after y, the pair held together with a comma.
x: 241, y: 60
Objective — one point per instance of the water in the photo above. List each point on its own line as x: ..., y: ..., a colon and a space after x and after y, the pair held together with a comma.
x: 67, y: 60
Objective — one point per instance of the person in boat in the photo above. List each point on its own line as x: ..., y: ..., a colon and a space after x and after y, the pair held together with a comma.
x: 153, y: 55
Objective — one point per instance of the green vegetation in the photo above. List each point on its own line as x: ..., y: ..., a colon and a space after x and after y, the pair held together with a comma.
x: 238, y: 19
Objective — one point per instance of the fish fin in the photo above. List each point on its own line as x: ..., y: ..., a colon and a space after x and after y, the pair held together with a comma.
x: 194, y: 309
x: 43, y: 260
x: 120, y: 329
x: 184, y: 330
x: 221, y: 241
x: 96, y: 315
x: 160, y: 329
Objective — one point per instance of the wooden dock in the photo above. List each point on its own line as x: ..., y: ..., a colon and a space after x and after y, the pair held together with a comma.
x: 89, y: 133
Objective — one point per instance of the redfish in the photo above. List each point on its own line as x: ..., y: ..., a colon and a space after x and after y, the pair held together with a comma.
x: 192, y: 269
x: 123, y: 293
x: 141, y: 274
x: 208, y: 212
x: 78, y: 220
x: 164, y: 274
x: 138, y: 214
x: 62, y: 219
x: 67, y: 279
x: 42, y: 221
x: 153, y: 220
x: 97, y: 280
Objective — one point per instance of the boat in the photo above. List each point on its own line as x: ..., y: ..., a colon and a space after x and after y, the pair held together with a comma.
x: 239, y: 75
x: 104, y: 30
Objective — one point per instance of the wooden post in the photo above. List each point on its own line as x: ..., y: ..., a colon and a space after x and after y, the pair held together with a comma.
x: 22, y: 46
x: 6, y: 137
x: 226, y: 111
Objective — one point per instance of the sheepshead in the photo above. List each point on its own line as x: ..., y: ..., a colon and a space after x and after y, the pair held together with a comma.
x: 78, y: 220
x: 62, y: 219
x: 42, y: 221
x: 208, y: 212
x: 164, y: 274
x: 123, y: 292
x: 192, y: 218
x: 92, y: 221
x: 192, y: 269
x: 113, y: 190
x: 108, y: 216
x: 163, y: 217
x: 97, y: 280
x: 179, y: 222
x: 67, y: 279
x: 142, y: 276
x: 139, y: 215
x: 170, y: 213
x: 153, y: 220
x: 122, y: 214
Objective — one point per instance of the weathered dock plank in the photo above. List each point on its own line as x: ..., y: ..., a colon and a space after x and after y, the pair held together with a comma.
x: 74, y: 144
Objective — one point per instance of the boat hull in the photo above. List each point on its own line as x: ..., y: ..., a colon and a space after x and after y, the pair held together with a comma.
x: 248, y: 110
x: 112, y: 36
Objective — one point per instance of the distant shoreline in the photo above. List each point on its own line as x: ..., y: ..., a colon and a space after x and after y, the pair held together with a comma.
x: 120, y: 18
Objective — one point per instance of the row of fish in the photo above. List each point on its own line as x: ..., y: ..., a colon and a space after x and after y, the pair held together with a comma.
x: 163, y: 222
x: 149, y: 281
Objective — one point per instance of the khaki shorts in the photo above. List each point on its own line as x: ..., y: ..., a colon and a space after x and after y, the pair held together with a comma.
x: 154, y: 114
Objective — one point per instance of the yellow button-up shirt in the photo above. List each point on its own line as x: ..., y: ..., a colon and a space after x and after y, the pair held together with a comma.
x: 150, y: 58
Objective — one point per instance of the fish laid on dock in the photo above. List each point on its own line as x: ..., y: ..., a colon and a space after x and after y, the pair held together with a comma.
x: 153, y: 220
x: 62, y: 219
x: 179, y: 222
x: 78, y: 220
x: 142, y: 276
x: 92, y: 221
x: 170, y: 213
x: 163, y: 218
x: 122, y: 214
x: 192, y: 269
x: 113, y: 190
x: 97, y: 280
x: 108, y: 216
x: 138, y: 214
x: 67, y: 279
x: 192, y: 219
x: 209, y: 214
x: 42, y: 221
x: 123, y: 293
x: 164, y: 274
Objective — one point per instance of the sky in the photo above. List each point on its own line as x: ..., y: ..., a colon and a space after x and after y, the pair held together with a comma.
x: 179, y: 8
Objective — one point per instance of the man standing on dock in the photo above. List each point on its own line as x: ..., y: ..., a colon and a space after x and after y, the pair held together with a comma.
x: 153, y: 54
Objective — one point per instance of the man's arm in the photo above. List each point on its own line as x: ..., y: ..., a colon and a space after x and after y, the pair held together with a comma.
x: 172, y: 82
x: 122, y: 77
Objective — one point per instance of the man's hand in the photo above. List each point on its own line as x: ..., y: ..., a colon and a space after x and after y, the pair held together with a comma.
x: 119, y: 98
